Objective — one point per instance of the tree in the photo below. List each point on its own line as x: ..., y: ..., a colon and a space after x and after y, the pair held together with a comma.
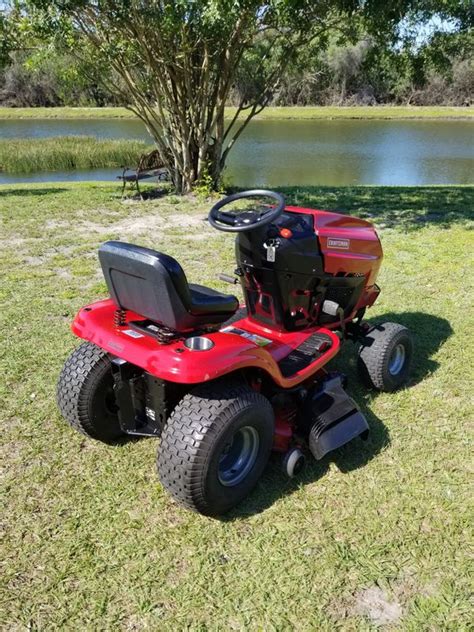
x: 345, y: 63
x: 175, y: 62
x: 9, y: 31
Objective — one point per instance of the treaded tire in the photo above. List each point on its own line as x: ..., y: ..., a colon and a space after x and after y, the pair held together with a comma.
x: 194, y: 438
x: 85, y: 393
x: 377, y: 352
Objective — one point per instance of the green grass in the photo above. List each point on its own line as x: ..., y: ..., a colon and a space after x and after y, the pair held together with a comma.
x: 18, y: 155
x: 310, y: 112
x: 366, y: 112
x: 380, y: 529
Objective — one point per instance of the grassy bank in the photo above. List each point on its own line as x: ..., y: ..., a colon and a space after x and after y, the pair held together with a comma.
x: 67, y: 153
x: 378, y: 534
x: 279, y: 113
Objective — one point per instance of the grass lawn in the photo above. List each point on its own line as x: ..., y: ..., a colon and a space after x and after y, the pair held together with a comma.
x: 310, y: 112
x: 378, y: 534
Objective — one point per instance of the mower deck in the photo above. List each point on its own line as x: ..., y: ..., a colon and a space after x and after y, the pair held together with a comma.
x: 288, y: 357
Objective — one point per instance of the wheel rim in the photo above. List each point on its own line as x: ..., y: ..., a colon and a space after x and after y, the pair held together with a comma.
x: 397, y: 360
x: 238, y: 456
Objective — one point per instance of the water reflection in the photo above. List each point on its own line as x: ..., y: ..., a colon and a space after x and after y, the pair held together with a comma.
x: 278, y: 153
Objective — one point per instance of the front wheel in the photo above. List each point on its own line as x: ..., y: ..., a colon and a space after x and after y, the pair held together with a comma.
x: 215, y: 446
x: 385, y: 356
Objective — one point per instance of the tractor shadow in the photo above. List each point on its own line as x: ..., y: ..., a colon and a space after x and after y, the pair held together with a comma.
x: 145, y: 194
x: 4, y: 192
x: 275, y: 485
x: 430, y: 332
x: 408, y: 208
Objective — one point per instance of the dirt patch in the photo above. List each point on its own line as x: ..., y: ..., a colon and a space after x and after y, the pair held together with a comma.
x: 47, y: 255
x: 11, y: 457
x: 56, y: 224
x: 34, y: 261
x: 187, y: 220
x: 139, y: 225
x: 12, y: 242
x: 63, y: 273
x: 124, y: 227
x: 374, y: 604
x: 143, y: 224
x: 198, y: 237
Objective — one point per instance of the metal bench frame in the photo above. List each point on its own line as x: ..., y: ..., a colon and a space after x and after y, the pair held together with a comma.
x: 149, y: 166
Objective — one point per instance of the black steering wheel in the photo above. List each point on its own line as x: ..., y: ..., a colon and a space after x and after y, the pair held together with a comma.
x: 246, y: 219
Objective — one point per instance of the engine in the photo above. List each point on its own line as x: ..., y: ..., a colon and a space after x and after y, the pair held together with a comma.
x: 289, y: 268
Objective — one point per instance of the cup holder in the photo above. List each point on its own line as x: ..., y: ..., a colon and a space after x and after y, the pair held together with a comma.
x: 198, y: 343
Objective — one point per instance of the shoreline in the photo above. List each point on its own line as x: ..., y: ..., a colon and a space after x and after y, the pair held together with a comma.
x: 380, y: 112
x: 292, y: 190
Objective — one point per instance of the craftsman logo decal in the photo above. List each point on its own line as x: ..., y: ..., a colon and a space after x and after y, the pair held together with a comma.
x: 339, y: 243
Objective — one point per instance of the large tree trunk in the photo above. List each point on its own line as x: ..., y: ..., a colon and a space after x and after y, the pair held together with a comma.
x: 190, y: 137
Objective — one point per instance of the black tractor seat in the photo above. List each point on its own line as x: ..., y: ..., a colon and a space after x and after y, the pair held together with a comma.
x: 154, y: 285
x: 205, y: 300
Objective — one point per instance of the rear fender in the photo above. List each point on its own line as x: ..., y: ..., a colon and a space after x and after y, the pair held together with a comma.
x: 174, y: 362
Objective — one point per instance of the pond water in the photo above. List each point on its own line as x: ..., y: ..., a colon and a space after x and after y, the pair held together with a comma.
x: 301, y: 152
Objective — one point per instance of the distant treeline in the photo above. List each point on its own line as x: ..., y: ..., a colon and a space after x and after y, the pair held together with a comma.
x: 439, y: 71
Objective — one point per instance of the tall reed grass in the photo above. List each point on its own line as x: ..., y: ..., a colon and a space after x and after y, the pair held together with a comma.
x: 66, y: 153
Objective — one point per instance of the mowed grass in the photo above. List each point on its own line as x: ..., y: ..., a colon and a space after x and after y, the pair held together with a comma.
x: 18, y: 155
x: 285, y: 112
x: 376, y: 535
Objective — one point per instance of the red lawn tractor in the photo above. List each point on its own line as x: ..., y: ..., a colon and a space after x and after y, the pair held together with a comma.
x: 223, y: 385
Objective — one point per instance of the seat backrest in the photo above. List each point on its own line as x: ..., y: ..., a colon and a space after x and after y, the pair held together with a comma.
x: 147, y: 282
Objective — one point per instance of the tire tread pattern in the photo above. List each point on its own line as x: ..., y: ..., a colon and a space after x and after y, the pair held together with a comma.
x: 86, y: 366
x: 373, y: 358
x: 190, y: 434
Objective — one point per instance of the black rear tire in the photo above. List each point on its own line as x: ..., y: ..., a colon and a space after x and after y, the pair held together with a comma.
x: 85, y: 394
x: 385, y: 356
x: 198, y: 442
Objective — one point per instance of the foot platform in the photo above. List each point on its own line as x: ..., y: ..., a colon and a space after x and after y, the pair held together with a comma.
x: 310, y: 350
x: 336, y: 419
